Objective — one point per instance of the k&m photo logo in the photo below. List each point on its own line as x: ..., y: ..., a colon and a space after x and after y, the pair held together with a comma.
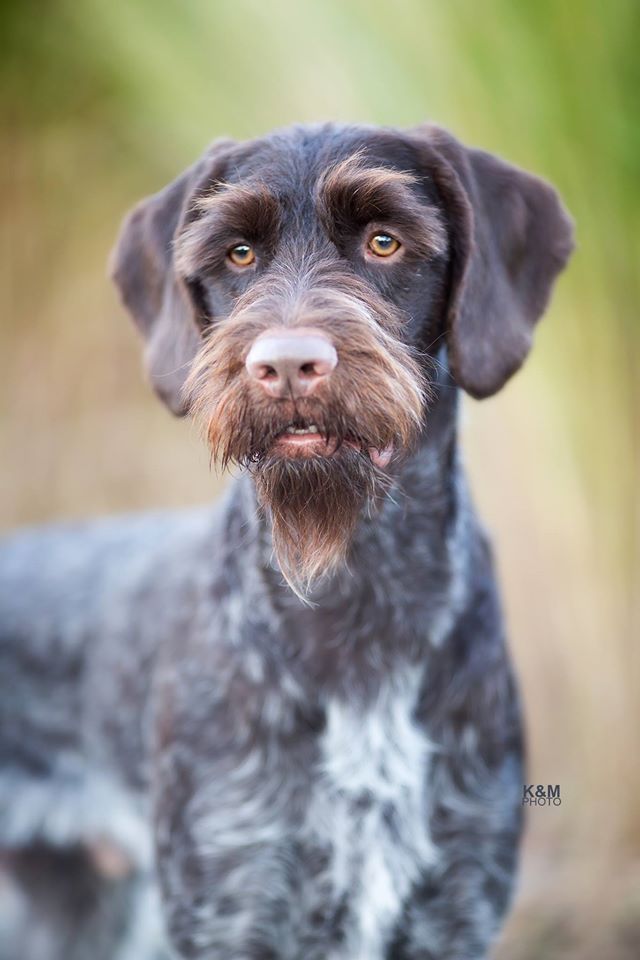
x: 537, y: 795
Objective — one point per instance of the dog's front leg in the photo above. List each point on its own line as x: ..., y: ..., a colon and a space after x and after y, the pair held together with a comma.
x: 225, y: 797
x: 455, y: 912
x: 475, y: 790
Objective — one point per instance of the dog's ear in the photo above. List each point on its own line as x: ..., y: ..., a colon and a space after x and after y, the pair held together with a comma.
x: 142, y: 267
x: 510, y: 236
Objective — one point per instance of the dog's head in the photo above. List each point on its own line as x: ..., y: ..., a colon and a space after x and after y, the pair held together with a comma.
x: 291, y: 289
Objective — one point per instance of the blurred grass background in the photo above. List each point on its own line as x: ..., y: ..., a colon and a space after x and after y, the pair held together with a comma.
x: 105, y: 102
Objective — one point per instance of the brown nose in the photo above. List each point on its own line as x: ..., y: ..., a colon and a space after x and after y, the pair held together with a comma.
x: 291, y: 362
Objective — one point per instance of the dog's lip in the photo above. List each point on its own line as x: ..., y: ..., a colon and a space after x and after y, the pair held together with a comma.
x: 309, y: 444
x: 301, y: 440
x: 381, y: 458
x: 296, y: 444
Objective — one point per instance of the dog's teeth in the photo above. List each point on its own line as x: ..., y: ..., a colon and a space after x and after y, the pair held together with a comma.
x: 298, y: 430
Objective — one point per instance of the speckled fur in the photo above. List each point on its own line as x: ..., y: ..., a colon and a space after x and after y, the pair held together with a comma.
x: 336, y: 781
x: 330, y: 780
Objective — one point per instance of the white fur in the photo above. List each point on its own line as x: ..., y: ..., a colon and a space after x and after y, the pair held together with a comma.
x: 375, y: 765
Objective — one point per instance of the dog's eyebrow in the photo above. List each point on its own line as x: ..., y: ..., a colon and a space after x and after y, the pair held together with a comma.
x: 354, y: 193
x: 239, y: 202
x: 232, y: 211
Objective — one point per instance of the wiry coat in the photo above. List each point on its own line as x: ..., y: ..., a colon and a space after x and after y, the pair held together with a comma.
x: 335, y: 779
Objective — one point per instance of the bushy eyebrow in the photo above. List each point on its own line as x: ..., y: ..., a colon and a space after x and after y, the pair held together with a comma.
x: 236, y: 211
x: 353, y: 193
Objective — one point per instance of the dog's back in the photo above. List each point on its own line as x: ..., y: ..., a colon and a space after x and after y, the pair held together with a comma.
x: 76, y: 646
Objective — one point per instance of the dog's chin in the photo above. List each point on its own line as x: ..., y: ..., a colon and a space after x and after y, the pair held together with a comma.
x: 314, y: 494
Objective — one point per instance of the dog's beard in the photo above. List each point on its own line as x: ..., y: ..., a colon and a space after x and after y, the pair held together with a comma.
x: 367, y: 415
x: 314, y: 503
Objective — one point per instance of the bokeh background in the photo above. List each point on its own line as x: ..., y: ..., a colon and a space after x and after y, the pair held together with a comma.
x: 105, y: 102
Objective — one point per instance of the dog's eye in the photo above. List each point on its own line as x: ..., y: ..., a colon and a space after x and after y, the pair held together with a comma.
x: 383, y: 245
x: 242, y: 255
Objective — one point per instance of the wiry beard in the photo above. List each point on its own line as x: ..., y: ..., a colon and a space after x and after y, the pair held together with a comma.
x: 371, y: 406
x: 314, y: 503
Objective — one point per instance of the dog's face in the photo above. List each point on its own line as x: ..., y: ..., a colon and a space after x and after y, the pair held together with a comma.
x: 291, y: 290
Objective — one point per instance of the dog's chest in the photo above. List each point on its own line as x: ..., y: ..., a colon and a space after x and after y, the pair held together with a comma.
x: 373, y: 812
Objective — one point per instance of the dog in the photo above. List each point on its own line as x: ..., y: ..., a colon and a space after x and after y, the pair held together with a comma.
x: 291, y: 720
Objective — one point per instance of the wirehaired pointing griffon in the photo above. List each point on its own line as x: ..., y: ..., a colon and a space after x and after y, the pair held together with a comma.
x: 291, y: 719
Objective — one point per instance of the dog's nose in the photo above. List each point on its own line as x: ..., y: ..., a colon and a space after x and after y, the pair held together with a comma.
x: 291, y: 362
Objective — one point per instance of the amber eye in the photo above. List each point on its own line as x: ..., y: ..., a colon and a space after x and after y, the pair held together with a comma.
x: 383, y: 245
x: 242, y: 255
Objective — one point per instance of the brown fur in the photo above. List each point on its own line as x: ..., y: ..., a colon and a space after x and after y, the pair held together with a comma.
x: 233, y: 213
x: 374, y: 398
x: 355, y: 193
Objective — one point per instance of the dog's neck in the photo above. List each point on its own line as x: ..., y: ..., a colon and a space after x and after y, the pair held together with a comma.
x: 400, y: 595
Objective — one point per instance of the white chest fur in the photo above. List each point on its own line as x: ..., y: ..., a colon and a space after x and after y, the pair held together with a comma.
x: 375, y: 773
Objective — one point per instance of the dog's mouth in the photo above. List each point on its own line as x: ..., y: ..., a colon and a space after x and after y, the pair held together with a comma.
x: 305, y: 439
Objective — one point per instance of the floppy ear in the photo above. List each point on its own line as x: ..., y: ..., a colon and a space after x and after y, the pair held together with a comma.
x: 142, y: 267
x: 510, y: 236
